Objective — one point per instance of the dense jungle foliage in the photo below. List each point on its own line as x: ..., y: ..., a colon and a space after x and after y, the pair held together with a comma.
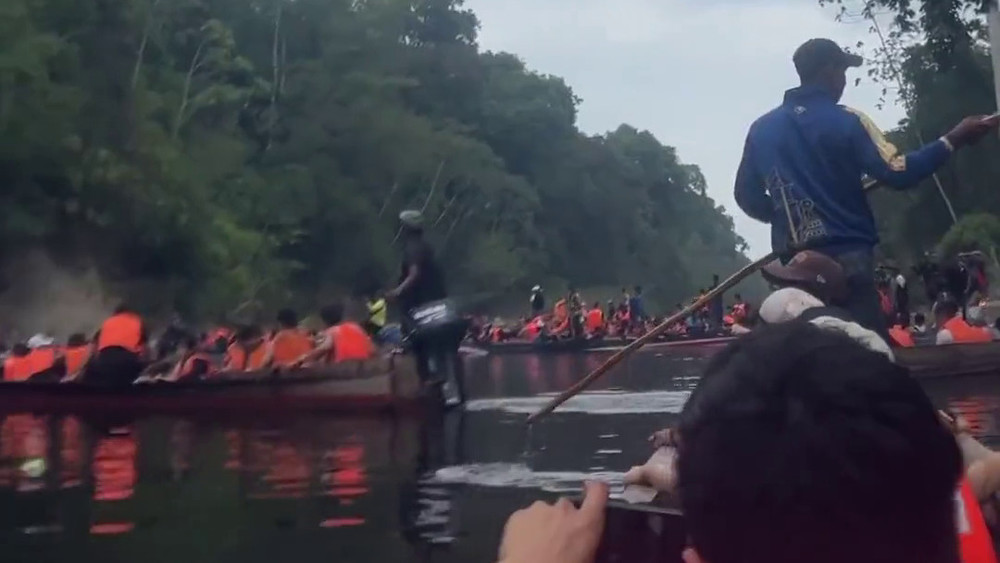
x: 239, y: 154
x: 934, y: 59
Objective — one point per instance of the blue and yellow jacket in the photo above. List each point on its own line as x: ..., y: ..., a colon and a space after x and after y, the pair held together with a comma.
x: 813, y: 153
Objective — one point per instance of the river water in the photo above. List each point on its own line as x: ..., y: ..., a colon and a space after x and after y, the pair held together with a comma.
x: 347, y: 489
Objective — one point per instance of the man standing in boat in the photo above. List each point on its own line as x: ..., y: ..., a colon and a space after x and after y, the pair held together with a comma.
x: 421, y: 281
x: 803, y: 165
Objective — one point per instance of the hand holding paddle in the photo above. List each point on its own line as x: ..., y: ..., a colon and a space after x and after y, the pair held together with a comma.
x: 972, y: 129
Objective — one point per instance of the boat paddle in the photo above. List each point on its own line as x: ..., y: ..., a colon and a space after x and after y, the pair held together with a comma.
x: 611, y: 362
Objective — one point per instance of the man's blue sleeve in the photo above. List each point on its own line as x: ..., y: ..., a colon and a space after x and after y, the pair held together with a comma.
x: 750, y: 193
x: 881, y: 160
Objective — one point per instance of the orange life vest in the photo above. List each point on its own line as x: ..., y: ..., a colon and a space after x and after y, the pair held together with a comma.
x: 16, y: 368
x: 41, y: 359
x: 901, y: 336
x: 76, y: 358
x: 289, y: 345
x: 237, y: 359
x: 496, y: 334
x: 595, y: 320
x: 533, y: 328
x: 188, y: 368
x: 963, y: 333
x: 350, y: 342
x: 123, y: 330
x: 974, y: 540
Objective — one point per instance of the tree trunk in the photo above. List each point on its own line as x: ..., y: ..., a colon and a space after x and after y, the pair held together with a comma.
x: 272, y: 114
x: 186, y: 93
x: 141, y: 54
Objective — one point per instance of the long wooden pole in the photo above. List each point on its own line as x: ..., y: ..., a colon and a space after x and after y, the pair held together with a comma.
x: 731, y: 282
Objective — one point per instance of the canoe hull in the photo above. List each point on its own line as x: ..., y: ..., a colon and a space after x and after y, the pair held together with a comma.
x: 595, y: 345
x: 377, y: 386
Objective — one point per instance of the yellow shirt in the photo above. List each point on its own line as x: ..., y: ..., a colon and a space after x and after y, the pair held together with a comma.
x: 377, y: 312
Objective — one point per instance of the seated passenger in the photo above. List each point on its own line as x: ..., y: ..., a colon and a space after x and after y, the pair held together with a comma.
x: 290, y: 343
x: 249, y: 352
x: 45, y: 359
x: 194, y: 362
x: 814, y: 289
x: 16, y: 366
x: 594, y: 323
x: 77, y: 355
x: 121, y: 349
x: 798, y: 446
x: 899, y: 332
x: 952, y: 328
x: 343, y: 341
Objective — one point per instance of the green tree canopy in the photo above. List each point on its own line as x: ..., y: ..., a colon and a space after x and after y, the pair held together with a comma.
x: 239, y: 154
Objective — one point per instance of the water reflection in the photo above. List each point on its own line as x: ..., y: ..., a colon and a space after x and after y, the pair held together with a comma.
x: 312, y: 488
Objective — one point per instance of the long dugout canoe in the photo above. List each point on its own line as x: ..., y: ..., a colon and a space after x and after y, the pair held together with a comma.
x: 379, y: 385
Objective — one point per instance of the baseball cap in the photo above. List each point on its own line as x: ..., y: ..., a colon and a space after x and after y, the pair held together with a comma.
x: 813, y: 271
x: 40, y: 341
x: 412, y: 218
x: 816, y: 54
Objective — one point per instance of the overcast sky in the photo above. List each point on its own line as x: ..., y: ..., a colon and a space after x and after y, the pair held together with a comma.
x: 695, y: 73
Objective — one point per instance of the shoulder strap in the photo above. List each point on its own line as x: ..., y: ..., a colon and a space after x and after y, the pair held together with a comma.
x: 826, y: 311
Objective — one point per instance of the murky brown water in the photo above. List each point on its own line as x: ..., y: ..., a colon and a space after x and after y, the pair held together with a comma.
x: 315, y: 488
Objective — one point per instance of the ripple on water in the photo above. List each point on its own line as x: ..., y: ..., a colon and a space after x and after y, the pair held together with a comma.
x: 598, y: 403
x: 520, y: 476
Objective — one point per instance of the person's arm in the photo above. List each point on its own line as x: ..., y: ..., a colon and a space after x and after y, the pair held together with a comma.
x: 411, y: 278
x: 751, y: 194
x: 881, y: 160
x: 324, y: 349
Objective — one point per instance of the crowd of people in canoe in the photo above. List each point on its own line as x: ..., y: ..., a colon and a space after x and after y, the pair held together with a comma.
x: 121, y: 351
x: 571, y: 318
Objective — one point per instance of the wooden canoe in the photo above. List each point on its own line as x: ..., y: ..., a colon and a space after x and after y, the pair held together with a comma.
x: 389, y: 383
x: 952, y: 360
x: 594, y: 344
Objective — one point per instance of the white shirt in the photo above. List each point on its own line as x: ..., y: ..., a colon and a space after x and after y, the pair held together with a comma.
x: 944, y: 337
x: 789, y: 303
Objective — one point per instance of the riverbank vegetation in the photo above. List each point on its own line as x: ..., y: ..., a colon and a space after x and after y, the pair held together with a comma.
x: 238, y: 154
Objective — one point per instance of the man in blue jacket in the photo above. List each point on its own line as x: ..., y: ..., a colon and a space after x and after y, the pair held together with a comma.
x: 803, y: 165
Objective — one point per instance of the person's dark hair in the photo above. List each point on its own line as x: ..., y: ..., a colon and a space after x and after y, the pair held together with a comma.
x: 189, y: 341
x: 122, y: 308
x: 638, y: 289
x: 738, y: 297
x: 20, y: 350
x: 332, y: 314
x: 76, y: 340
x: 287, y: 318
x: 919, y: 318
x: 249, y: 332
x: 801, y: 445
x: 946, y: 308
x: 903, y: 319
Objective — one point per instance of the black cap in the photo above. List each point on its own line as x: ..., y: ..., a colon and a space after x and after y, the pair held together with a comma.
x: 816, y: 54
